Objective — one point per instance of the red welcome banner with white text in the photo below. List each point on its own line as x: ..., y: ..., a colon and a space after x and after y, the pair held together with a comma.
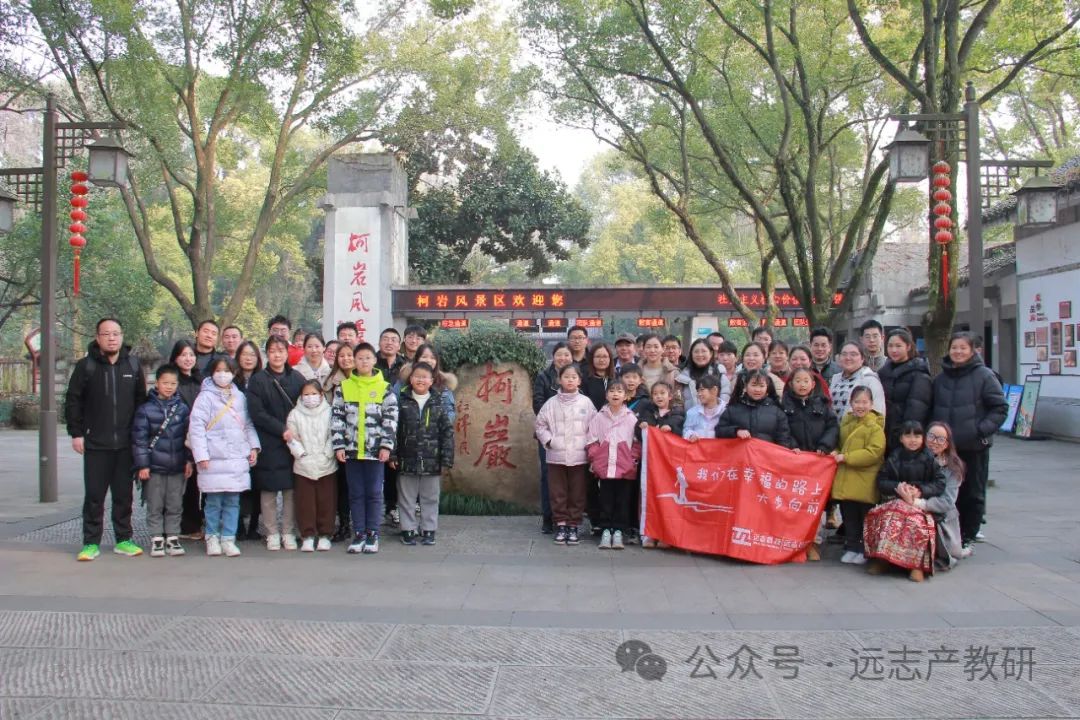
x: 747, y: 499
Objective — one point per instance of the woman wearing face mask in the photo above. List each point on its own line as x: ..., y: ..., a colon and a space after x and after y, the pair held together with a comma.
x: 224, y: 445
x: 700, y: 364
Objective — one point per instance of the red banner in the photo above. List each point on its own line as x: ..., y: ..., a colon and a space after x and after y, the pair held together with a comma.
x: 747, y: 499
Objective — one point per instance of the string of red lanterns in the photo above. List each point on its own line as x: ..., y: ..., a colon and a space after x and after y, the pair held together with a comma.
x: 79, y: 203
x: 943, y: 222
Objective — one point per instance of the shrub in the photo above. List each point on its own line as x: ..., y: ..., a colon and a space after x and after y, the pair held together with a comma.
x: 453, y: 503
x: 487, y: 342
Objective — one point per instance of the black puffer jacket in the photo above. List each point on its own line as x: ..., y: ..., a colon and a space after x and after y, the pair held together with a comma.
x: 969, y: 399
x: 169, y: 455
x: 596, y: 388
x: 545, y: 387
x: 425, y: 439
x: 914, y: 468
x: 763, y: 418
x: 269, y: 407
x: 812, y: 422
x: 189, y: 387
x: 102, y: 398
x: 909, y: 394
x: 647, y: 413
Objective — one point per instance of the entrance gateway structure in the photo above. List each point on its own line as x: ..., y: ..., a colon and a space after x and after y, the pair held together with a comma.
x: 366, y: 275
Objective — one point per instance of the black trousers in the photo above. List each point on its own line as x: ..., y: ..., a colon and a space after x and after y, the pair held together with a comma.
x: 854, y: 514
x: 106, y: 471
x: 617, y: 504
x: 598, y: 515
x: 191, y: 520
x: 971, y: 500
x: 342, y: 496
x: 390, y: 493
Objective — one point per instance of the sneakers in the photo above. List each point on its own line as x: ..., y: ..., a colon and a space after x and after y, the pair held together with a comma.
x: 408, y: 537
x: 617, y: 540
x: 308, y: 545
x: 858, y: 559
x: 647, y: 542
x: 157, y: 547
x: 288, y: 541
x: 561, y: 535
x: 876, y: 567
x: 916, y: 575
x: 980, y: 537
x: 605, y: 540
x: 213, y: 546
x: 371, y: 544
x: 88, y: 553
x: 846, y: 558
x: 572, y: 536
x: 395, y: 517
x: 273, y: 542
x: 967, y: 549
x: 173, y: 548
x: 228, y: 546
x: 427, y: 537
x: 324, y: 544
x: 357, y: 545
x: 127, y: 549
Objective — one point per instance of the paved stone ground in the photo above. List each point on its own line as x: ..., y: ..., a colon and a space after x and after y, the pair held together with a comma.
x: 495, y: 621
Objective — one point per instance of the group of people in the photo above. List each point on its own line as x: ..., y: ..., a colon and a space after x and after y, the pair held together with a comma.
x: 300, y: 443
x: 912, y: 451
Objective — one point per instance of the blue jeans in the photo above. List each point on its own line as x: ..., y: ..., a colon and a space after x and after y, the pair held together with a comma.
x: 222, y: 513
x: 545, y: 499
x: 365, y: 478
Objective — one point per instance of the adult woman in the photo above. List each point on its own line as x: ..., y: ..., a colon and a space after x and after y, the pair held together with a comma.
x: 968, y: 398
x: 702, y: 362
x: 753, y: 358
x: 271, y: 394
x: 908, y: 389
x: 545, y: 387
x: 330, y: 352
x: 443, y: 383
x: 183, y: 356
x: 801, y: 357
x: 600, y: 373
x: 313, y: 366
x: 854, y: 373
x: 249, y: 361
x: 943, y: 507
x: 778, y: 360
x: 654, y: 366
x: 344, y: 364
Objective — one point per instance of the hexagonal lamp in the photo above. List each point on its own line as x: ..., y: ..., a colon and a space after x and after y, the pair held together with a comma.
x: 1036, y: 202
x: 8, y: 200
x: 108, y: 162
x: 909, y: 156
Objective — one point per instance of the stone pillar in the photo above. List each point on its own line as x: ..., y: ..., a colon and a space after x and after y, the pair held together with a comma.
x: 366, y: 241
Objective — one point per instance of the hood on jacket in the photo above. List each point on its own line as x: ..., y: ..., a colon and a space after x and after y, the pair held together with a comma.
x: 310, y: 411
x: 915, y: 364
x: 154, y: 395
x: 950, y: 368
x: 448, y: 380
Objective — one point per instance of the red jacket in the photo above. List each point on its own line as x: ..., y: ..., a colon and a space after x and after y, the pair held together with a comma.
x: 611, y: 446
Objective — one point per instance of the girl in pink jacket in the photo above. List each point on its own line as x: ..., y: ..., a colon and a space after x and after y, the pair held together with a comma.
x: 613, y: 457
x: 561, y: 427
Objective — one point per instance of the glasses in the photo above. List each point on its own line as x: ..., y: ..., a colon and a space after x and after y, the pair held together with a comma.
x: 851, y: 354
x: 937, y: 438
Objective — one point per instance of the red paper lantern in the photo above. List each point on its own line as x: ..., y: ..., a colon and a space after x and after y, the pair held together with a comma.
x: 79, y: 189
x: 941, y: 168
x: 77, y: 227
x: 943, y: 209
x: 79, y: 202
x: 942, y: 181
x: 79, y: 176
x: 943, y: 223
x: 77, y: 215
x: 942, y: 195
x: 77, y: 241
x: 943, y: 237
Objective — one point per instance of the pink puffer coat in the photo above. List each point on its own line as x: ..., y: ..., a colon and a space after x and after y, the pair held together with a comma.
x: 562, y: 425
x: 611, y: 446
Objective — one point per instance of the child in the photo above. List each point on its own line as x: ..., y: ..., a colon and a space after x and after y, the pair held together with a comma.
x: 613, y: 457
x: 315, y: 468
x: 225, y: 447
x: 425, y: 447
x: 861, y: 452
x: 161, y: 459
x: 657, y: 411
x: 363, y: 428
x: 702, y: 418
x: 634, y: 381
x: 561, y: 427
x: 943, y: 507
x: 754, y: 411
x: 900, y: 532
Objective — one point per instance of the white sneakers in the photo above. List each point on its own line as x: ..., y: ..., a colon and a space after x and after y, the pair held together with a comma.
x: 308, y: 545
x: 213, y: 545
x: 273, y: 542
x: 288, y: 541
x: 617, y: 540
x: 157, y: 546
x: 228, y: 546
x: 853, y: 558
x: 605, y: 540
x: 324, y: 544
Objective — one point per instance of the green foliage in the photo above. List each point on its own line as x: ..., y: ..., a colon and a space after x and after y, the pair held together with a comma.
x: 453, y: 503
x: 487, y: 342
x: 503, y: 207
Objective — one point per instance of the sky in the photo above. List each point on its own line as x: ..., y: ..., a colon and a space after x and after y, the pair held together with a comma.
x: 559, y: 148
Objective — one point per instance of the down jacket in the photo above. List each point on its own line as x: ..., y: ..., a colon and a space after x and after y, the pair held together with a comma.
x: 649, y: 414
x: 561, y: 427
x: 763, y: 418
x: 425, y: 438
x: 611, y: 446
x: 813, y: 424
x: 270, y: 403
x: 841, y: 387
x: 545, y: 387
x: 169, y: 454
x: 909, y: 393
x: 443, y: 389
x: 914, y: 468
x: 969, y: 399
x: 364, y: 417
x: 311, y: 448
x: 227, y: 444
x: 862, y: 443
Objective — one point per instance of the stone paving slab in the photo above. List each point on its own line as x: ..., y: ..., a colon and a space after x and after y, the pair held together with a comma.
x: 509, y: 646
x: 20, y: 708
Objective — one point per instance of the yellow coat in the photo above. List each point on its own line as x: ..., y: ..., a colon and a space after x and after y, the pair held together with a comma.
x: 862, y: 443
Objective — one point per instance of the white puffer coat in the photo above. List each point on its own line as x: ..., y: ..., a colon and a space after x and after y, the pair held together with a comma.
x: 311, y: 440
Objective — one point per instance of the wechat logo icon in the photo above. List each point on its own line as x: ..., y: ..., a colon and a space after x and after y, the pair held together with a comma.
x: 637, y: 655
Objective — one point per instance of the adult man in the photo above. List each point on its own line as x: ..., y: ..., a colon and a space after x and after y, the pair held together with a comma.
x: 624, y: 351
x: 390, y: 361
x: 873, y: 339
x: 415, y: 336
x: 347, y: 334
x: 206, y: 337
x: 577, y: 338
x: 231, y: 337
x: 821, y: 352
x: 280, y: 327
x: 715, y: 340
x: 105, y: 389
x: 673, y: 350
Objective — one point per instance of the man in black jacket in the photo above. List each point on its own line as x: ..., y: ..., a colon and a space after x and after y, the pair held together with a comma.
x: 106, y: 388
